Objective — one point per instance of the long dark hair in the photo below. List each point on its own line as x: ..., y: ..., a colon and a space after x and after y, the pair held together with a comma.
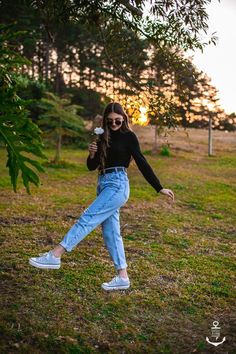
x: 105, y: 137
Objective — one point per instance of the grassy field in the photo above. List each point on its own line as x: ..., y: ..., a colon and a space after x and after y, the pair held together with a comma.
x: 180, y: 257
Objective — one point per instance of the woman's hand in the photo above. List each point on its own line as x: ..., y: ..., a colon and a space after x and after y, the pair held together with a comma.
x: 92, y: 149
x: 168, y: 192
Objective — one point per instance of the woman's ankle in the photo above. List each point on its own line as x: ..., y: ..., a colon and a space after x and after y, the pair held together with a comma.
x: 58, y: 251
x: 123, y: 273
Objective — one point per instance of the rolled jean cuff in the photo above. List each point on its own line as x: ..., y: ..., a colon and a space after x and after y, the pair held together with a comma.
x: 122, y: 266
x: 63, y: 244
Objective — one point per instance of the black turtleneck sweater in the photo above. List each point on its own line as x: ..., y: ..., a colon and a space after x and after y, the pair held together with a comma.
x: 123, y: 145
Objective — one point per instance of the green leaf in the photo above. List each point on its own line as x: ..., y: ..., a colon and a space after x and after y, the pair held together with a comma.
x: 17, y: 131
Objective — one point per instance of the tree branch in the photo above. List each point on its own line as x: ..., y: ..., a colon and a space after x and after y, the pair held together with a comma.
x: 134, y: 10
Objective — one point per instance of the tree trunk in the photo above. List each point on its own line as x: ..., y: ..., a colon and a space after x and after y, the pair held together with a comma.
x: 57, y: 84
x: 46, y: 61
x: 210, y: 135
x: 155, y: 148
x: 58, y: 146
x: 90, y: 78
x: 70, y: 79
x: 39, y: 54
x: 32, y: 68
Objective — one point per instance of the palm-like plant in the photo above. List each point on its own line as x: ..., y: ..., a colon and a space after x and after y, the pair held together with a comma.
x: 59, y: 118
x: 20, y: 136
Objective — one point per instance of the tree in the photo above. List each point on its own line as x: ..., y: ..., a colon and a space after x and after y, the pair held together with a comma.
x: 59, y: 119
x: 162, y: 118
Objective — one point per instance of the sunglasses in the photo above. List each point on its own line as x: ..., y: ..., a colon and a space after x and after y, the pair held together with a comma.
x: 116, y: 121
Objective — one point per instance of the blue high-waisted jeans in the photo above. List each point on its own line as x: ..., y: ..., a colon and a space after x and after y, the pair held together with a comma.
x: 112, y: 193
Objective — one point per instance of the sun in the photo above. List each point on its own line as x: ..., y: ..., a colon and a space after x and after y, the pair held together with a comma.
x: 143, y: 119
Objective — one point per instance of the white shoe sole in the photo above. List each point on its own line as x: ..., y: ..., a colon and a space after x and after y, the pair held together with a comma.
x: 44, y: 266
x: 110, y: 288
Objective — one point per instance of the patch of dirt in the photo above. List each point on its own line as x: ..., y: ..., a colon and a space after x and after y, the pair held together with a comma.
x: 17, y: 220
x: 21, y: 220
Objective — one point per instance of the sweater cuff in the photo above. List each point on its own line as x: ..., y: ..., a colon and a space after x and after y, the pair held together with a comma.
x: 159, y: 189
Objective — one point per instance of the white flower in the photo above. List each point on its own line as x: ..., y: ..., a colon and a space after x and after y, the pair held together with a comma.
x: 98, y: 131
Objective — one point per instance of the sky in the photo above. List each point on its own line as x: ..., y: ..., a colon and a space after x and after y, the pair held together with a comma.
x: 219, y: 62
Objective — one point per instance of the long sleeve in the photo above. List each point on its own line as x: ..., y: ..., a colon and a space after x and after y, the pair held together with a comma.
x: 92, y: 164
x: 142, y: 163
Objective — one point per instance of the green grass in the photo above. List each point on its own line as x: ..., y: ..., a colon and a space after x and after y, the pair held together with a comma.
x: 179, y: 255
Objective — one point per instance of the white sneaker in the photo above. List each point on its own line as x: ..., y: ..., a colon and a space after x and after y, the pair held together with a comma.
x: 117, y: 283
x: 46, y: 261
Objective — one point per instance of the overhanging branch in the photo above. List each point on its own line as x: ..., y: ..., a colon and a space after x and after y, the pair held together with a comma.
x: 134, y: 10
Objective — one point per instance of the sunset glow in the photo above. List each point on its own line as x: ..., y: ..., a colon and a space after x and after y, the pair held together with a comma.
x: 143, y: 120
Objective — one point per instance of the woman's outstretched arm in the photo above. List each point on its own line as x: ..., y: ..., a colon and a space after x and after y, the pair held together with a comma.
x: 143, y: 164
x: 145, y: 168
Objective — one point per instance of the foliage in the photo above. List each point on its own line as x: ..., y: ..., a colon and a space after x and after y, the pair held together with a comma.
x: 171, y: 23
x: 18, y: 133
x: 104, y: 47
x: 59, y: 119
x: 165, y: 150
x: 32, y: 89
x: 89, y: 99
x: 161, y: 111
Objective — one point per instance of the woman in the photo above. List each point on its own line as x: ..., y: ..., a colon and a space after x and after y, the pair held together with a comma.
x: 111, y: 154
